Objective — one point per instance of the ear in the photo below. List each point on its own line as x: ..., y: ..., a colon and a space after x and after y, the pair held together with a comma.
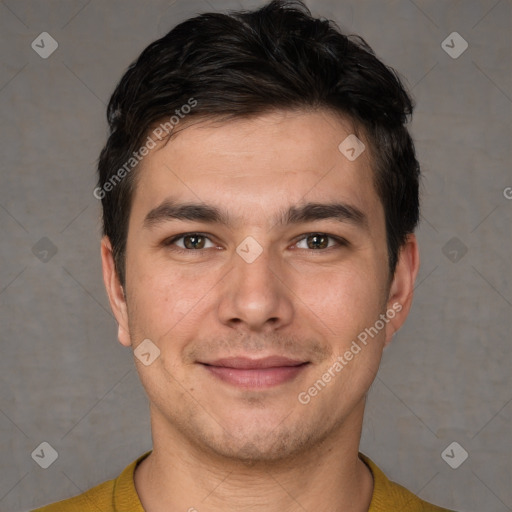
x: 115, y: 291
x: 402, y: 287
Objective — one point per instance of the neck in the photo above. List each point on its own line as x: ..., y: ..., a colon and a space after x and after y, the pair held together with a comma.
x: 181, y: 475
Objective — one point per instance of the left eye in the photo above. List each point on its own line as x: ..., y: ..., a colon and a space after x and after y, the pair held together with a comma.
x: 316, y: 241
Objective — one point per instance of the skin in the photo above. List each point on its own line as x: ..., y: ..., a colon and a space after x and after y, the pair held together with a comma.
x: 218, y: 447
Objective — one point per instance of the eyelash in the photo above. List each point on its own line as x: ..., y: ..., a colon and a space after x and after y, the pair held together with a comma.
x: 341, y: 242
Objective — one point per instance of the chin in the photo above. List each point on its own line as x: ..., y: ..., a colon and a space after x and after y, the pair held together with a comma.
x: 259, y: 450
x: 262, y: 442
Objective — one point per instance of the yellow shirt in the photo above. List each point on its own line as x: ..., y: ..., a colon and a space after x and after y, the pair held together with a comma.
x: 119, y: 495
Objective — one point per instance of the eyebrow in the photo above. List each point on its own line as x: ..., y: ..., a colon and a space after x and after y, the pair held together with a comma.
x: 200, y: 212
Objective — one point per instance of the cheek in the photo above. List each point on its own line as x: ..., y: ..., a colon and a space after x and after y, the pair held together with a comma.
x: 165, y: 300
x: 351, y: 305
x: 344, y: 300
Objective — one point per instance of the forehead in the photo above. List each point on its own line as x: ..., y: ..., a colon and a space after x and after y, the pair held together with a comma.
x: 259, y: 165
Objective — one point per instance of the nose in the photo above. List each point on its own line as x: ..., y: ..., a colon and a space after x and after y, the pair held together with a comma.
x: 257, y: 296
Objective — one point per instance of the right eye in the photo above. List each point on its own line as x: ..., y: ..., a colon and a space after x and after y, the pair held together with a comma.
x: 189, y: 242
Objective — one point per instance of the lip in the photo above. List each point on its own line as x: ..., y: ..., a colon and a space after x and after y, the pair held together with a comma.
x: 247, y: 363
x: 250, y: 373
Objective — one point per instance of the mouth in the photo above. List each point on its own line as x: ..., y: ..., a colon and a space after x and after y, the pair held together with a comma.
x: 250, y: 373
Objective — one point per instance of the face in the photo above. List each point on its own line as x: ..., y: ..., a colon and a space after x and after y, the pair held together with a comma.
x: 256, y: 263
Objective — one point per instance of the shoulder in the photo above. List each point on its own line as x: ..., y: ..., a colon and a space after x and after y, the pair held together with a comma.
x: 111, y: 496
x: 390, y: 496
x: 97, y: 498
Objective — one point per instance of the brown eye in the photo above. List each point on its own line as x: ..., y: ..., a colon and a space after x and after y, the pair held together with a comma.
x: 194, y: 241
x: 189, y: 242
x: 319, y: 241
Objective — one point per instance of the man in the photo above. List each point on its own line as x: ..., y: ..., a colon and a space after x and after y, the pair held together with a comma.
x: 260, y: 195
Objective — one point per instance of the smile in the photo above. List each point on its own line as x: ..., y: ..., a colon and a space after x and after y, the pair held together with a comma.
x: 255, y: 373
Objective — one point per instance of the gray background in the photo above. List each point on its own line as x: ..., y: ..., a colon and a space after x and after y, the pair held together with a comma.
x: 64, y: 378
